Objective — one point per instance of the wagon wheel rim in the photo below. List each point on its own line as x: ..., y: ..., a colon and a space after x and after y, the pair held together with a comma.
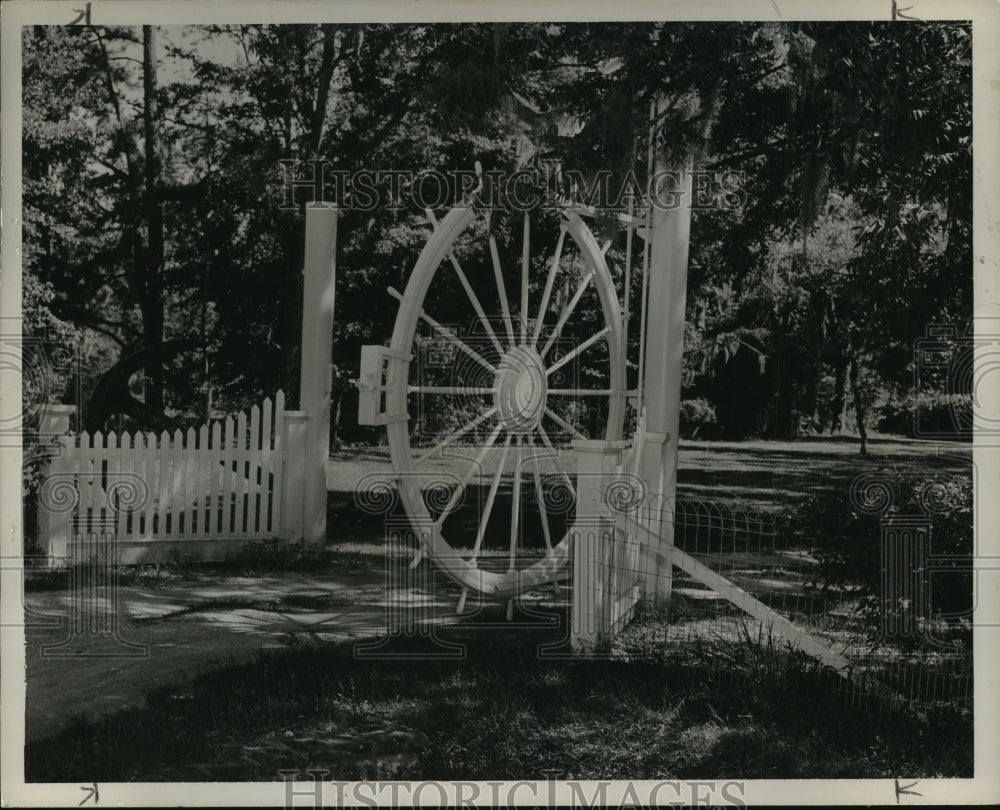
x: 517, y: 411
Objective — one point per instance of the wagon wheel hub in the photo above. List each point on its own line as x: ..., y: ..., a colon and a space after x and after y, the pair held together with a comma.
x: 521, y: 390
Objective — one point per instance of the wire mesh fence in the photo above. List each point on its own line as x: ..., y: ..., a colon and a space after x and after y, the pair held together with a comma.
x: 744, y: 594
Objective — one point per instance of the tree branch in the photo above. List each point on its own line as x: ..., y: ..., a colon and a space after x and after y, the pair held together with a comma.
x: 323, y: 87
x: 126, y: 140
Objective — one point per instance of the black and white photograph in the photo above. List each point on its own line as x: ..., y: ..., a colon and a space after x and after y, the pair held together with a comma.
x: 414, y: 404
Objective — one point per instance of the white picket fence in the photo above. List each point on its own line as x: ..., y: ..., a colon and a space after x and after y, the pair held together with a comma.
x: 198, y: 490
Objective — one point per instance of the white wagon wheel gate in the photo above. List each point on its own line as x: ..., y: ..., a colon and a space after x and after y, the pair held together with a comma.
x: 515, y: 356
x: 514, y: 410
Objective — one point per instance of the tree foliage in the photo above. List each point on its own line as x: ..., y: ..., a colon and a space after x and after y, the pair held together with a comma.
x: 153, y: 190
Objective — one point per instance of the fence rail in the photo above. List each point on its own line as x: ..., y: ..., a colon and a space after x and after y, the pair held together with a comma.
x: 232, y: 479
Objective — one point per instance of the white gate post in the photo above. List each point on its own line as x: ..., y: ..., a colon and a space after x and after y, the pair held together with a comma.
x: 671, y: 228
x: 591, y: 538
x: 293, y: 477
x: 317, y: 354
x: 55, y: 503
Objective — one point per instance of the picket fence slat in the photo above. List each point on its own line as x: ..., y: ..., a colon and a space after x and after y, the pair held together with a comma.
x: 152, y: 477
x: 176, y: 478
x: 80, y: 469
x: 163, y: 504
x: 188, y: 462
x: 86, y: 477
x: 118, y: 469
x: 132, y: 484
x: 241, y: 471
x: 181, y: 485
x: 214, y: 481
x: 102, y: 457
x: 214, y: 478
x: 228, y: 460
x: 201, y: 505
x: 138, y: 456
x: 138, y: 445
x: 278, y: 462
x: 253, y: 472
x: 267, y: 455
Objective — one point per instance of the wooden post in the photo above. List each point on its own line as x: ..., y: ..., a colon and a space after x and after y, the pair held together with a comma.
x: 591, y: 539
x: 671, y: 228
x: 55, y: 505
x: 317, y: 354
x: 294, y: 461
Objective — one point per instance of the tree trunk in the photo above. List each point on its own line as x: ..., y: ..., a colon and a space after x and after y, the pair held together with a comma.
x: 859, y: 406
x: 151, y: 293
x: 784, y: 393
x: 338, y: 398
x: 807, y: 404
x: 325, y: 75
x: 839, y: 394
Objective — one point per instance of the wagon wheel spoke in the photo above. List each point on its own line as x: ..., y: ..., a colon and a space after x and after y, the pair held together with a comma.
x: 525, y: 267
x: 490, y: 498
x: 501, y: 287
x: 457, y: 495
x: 453, y: 437
x: 563, y: 424
x: 567, y: 311
x: 549, y: 281
x: 473, y: 298
x: 562, y: 361
x: 555, y: 460
x: 581, y: 392
x: 448, y: 335
x: 451, y: 390
x: 515, y: 517
x: 540, y: 499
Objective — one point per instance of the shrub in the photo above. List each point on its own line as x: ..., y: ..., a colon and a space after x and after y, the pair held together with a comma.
x: 695, y: 415
x: 847, y: 541
x: 940, y: 413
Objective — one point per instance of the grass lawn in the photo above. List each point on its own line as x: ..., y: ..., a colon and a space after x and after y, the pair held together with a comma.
x: 759, y: 474
x: 713, y: 710
x: 501, y: 713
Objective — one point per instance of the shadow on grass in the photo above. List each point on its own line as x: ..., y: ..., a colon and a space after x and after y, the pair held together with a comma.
x: 773, y: 477
x: 500, y: 713
x: 768, y: 475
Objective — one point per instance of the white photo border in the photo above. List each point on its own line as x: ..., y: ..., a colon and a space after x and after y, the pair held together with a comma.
x: 985, y: 17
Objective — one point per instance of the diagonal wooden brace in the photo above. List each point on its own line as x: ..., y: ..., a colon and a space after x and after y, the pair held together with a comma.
x: 667, y: 553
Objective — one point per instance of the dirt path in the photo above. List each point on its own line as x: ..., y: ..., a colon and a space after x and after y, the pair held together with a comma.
x: 174, y: 631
